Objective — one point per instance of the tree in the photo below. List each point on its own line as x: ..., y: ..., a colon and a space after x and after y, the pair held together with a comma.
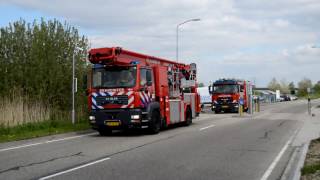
x: 292, y: 88
x: 201, y: 85
x: 303, y: 85
x: 284, y: 87
x: 274, y: 85
x: 316, y: 88
x: 36, y: 62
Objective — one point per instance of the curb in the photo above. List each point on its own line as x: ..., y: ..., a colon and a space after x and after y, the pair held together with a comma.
x: 303, y: 154
x: 290, y: 165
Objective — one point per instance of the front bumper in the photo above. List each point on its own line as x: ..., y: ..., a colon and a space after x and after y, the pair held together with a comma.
x: 234, y: 107
x: 117, y: 119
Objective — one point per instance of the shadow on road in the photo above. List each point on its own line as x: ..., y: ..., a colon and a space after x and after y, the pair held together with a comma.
x: 140, y: 132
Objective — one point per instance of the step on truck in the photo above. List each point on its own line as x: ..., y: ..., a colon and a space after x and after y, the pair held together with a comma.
x: 129, y: 90
x: 228, y: 94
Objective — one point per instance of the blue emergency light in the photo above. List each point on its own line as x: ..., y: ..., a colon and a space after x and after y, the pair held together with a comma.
x: 134, y: 62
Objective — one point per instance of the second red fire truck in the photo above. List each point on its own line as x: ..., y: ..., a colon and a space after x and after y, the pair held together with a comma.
x: 133, y: 90
x: 228, y: 94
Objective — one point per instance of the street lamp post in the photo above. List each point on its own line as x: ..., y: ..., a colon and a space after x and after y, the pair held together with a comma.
x: 74, y: 83
x: 309, y: 89
x: 177, y: 35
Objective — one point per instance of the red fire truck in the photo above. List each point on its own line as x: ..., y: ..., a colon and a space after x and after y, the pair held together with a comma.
x: 228, y: 94
x: 132, y: 90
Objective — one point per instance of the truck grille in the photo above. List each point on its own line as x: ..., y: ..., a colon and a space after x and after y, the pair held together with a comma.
x: 224, y: 100
x: 103, y: 100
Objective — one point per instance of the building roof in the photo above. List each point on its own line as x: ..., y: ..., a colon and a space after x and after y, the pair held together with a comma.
x: 266, y: 92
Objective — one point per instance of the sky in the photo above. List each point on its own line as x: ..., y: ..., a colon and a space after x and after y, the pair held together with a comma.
x: 247, y: 39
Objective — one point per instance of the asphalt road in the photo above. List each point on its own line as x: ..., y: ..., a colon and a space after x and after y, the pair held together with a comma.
x: 215, y: 146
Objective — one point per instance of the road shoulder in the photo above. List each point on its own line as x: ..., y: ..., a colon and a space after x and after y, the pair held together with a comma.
x: 308, y: 132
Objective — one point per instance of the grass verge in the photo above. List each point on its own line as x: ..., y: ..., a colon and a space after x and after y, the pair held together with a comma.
x: 311, y: 169
x: 312, y: 96
x: 315, y: 96
x: 32, y: 130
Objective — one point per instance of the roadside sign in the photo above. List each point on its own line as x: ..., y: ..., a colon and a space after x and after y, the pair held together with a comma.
x: 278, y: 94
x: 241, y: 101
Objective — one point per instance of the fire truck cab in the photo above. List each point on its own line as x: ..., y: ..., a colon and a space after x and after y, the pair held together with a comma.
x: 131, y: 90
x: 228, y: 94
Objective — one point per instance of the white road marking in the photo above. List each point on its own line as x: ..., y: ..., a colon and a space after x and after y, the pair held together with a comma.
x: 201, y: 129
x: 268, y: 172
x: 45, y: 142
x: 74, y: 169
x: 204, y: 119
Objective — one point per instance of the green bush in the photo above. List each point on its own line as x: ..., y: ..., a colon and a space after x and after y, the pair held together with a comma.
x: 36, y: 71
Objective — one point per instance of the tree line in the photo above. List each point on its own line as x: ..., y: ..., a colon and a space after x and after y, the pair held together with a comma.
x: 290, y: 88
x: 36, y: 62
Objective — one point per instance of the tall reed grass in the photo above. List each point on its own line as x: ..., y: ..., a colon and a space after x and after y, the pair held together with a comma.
x: 17, y: 111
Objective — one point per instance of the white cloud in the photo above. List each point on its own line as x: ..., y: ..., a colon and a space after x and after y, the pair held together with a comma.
x: 247, y: 38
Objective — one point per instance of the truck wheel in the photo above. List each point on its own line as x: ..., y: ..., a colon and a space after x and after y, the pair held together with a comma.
x: 164, y: 123
x: 216, y: 111
x: 155, y: 123
x: 188, y: 117
x: 104, y: 132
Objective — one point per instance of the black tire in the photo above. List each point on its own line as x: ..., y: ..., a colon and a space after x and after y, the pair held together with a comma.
x: 104, y: 132
x: 155, y: 123
x: 164, y: 123
x: 188, y: 117
x: 217, y: 112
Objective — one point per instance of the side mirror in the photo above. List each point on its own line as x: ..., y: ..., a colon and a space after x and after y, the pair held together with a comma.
x: 241, y: 88
x: 210, y: 89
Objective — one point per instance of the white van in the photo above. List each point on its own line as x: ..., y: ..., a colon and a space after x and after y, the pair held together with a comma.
x: 205, y: 97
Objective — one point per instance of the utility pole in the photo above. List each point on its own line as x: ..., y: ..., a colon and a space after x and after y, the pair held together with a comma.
x: 74, y: 84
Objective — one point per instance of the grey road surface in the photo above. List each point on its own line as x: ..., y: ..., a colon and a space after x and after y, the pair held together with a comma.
x: 215, y: 146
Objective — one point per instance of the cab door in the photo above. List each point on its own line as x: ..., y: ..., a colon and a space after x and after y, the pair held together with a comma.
x: 146, y: 86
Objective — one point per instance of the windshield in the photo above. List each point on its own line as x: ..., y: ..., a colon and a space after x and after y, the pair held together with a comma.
x: 115, y: 76
x: 227, y: 88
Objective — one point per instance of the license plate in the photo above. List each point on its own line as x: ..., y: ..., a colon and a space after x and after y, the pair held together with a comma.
x: 111, y: 98
x: 112, y: 123
x: 225, y: 106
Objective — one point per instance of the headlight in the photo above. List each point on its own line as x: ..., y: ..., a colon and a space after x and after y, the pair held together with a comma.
x: 135, y: 116
x: 215, y: 102
x: 234, y: 101
x: 91, y: 118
